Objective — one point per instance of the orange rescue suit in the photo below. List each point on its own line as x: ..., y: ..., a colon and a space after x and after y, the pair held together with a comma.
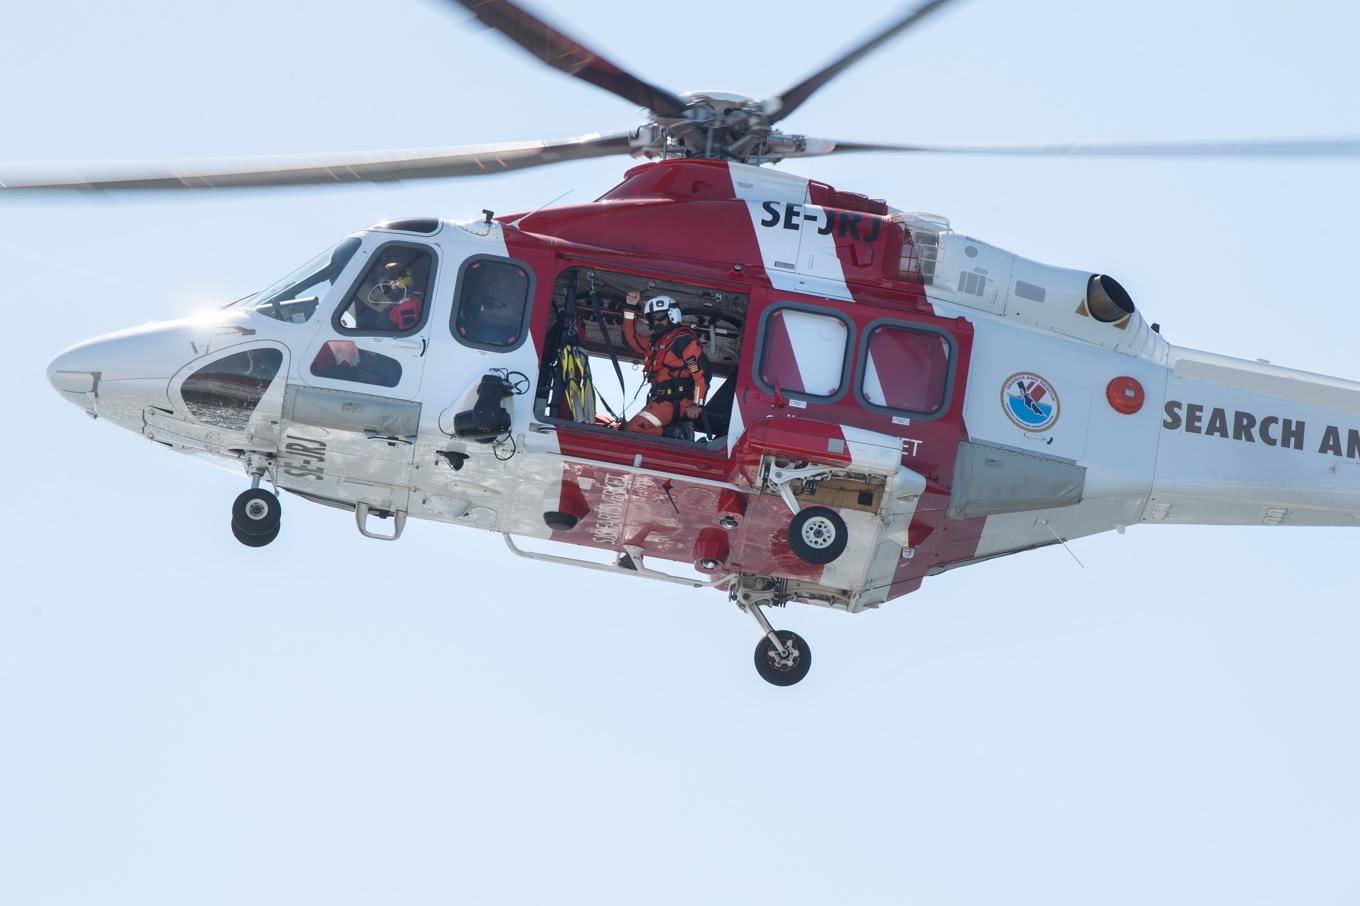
x: 671, y: 365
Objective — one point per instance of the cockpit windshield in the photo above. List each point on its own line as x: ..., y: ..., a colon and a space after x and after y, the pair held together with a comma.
x: 296, y: 297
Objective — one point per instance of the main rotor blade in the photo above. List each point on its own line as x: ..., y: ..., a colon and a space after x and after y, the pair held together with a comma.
x: 303, y: 171
x: 565, y: 53
x: 791, y: 99
x: 1335, y: 146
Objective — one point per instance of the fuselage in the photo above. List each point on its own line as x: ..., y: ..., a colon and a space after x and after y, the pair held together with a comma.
x: 968, y: 402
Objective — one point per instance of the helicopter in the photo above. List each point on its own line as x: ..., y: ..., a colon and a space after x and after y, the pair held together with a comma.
x: 890, y: 398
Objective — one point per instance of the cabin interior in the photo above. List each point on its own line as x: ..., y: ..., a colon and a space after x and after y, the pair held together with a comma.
x: 718, y: 318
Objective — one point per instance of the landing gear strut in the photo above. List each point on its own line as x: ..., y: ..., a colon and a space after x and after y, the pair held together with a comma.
x: 256, y: 513
x: 782, y: 657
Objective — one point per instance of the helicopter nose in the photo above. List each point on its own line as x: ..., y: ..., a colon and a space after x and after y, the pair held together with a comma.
x: 116, y: 375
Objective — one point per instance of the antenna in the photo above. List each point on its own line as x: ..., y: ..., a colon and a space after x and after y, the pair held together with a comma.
x: 520, y: 220
x: 1049, y: 526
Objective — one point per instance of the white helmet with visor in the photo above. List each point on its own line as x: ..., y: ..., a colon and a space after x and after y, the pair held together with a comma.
x: 662, y: 311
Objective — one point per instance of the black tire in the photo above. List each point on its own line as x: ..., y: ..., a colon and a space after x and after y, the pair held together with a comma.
x: 818, y: 535
x: 778, y: 671
x: 254, y: 540
x: 256, y: 512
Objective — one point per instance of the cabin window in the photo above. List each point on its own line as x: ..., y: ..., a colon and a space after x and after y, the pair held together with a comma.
x: 804, y: 353
x: 392, y: 296
x: 906, y: 369
x: 296, y: 297
x: 492, y: 305
x: 342, y: 360
x: 226, y: 392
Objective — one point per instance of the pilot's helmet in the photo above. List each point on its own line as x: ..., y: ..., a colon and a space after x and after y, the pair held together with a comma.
x: 394, y: 286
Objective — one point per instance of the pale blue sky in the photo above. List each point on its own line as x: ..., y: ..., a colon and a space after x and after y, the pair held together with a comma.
x: 334, y: 720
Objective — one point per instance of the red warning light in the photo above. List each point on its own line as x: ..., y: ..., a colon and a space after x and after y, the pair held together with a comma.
x: 1125, y: 395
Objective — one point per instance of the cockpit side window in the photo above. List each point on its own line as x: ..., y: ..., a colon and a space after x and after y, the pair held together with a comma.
x: 296, y: 297
x: 393, y: 296
x: 492, y: 305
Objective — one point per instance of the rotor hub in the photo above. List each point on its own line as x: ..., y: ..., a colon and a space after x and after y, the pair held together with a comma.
x: 719, y: 125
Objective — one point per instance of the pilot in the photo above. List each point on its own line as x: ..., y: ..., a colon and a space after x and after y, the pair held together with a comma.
x: 672, y: 364
x: 391, y: 304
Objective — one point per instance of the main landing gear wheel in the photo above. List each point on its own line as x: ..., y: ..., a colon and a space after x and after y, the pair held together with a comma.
x: 787, y: 668
x: 817, y: 535
x: 255, y: 515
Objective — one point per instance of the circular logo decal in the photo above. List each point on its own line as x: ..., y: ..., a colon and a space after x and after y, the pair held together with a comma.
x: 1030, y: 401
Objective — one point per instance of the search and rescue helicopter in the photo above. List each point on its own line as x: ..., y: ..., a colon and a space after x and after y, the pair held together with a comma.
x: 889, y: 398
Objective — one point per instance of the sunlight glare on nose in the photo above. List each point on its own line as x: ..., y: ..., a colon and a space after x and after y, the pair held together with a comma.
x: 206, y: 312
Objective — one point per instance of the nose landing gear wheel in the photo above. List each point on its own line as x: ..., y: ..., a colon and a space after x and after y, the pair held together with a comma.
x: 817, y: 535
x: 254, y: 540
x: 786, y: 669
x: 255, y: 517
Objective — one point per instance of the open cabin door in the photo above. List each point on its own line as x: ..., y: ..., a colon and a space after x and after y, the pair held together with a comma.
x: 600, y: 486
x: 587, y: 337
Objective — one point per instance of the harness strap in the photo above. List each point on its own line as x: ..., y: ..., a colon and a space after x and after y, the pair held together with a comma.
x: 609, y: 346
x: 664, y: 345
x: 671, y: 388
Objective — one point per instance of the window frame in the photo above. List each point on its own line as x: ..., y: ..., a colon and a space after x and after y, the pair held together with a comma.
x: 457, y: 306
x: 431, y: 250
x: 847, y: 362
x: 951, y: 370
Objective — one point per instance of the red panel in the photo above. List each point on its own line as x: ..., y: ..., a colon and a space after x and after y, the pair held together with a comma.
x: 795, y: 438
x: 709, y: 180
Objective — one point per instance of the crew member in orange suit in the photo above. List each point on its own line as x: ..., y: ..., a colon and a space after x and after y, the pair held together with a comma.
x: 672, y: 364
